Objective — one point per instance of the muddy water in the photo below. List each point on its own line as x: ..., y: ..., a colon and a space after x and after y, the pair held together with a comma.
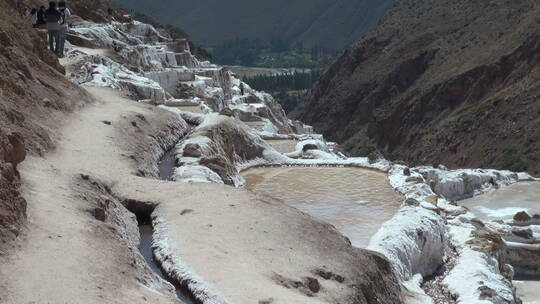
x: 355, y: 201
x: 145, y: 247
x: 257, y: 125
x: 167, y: 165
x: 192, y: 109
x: 283, y: 145
x: 528, y: 289
x: 505, y: 202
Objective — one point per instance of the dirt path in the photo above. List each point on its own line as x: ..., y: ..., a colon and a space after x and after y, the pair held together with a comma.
x: 67, y: 255
x: 239, y: 247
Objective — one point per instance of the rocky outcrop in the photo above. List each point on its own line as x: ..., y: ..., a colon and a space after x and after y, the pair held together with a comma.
x: 442, y: 87
x: 216, y: 150
x: 12, y: 205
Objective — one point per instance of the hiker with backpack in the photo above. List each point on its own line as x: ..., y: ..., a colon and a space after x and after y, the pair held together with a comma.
x: 53, y: 18
x: 65, y: 13
x: 41, y: 16
x: 32, y: 17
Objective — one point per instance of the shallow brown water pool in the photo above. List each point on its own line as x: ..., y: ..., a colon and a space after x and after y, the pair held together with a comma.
x: 505, y: 202
x: 356, y: 201
x: 283, y: 145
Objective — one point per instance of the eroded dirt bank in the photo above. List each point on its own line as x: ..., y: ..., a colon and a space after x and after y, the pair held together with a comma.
x: 69, y: 253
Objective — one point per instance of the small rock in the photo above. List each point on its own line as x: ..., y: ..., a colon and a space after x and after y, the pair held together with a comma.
x: 407, y: 172
x: 192, y: 150
x: 134, y: 123
x: 414, y: 179
x: 312, y: 284
x: 412, y: 202
x: 374, y: 156
x: 266, y: 301
x: 486, y: 291
x: 522, y: 216
x: 141, y: 117
x: 186, y: 211
x: 523, y: 233
x: 8, y: 171
x: 99, y: 214
x: 16, y: 152
x: 327, y: 275
x: 226, y: 112
x: 85, y: 177
x: 106, y: 122
x: 339, y: 278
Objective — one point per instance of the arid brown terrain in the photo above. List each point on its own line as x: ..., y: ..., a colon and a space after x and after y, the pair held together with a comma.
x: 34, y: 94
x: 439, y: 81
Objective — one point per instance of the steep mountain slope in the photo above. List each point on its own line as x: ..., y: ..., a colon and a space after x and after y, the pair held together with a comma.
x: 330, y: 23
x: 34, y: 97
x: 456, y: 82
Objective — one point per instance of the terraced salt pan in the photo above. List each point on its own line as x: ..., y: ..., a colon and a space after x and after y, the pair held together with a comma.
x: 505, y: 202
x: 528, y: 291
x: 283, y: 145
x: 356, y: 201
x: 257, y: 125
x: 192, y: 109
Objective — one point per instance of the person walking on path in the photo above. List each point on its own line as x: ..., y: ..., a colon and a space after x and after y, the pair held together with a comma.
x: 41, y: 16
x: 32, y: 17
x: 53, y: 18
x: 110, y: 15
x: 65, y: 13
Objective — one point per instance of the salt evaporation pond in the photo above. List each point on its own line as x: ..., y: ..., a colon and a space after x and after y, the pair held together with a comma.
x: 356, y: 201
x: 283, y: 145
x: 504, y: 203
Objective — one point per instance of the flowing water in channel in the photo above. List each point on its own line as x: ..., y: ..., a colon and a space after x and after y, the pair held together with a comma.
x: 356, y: 201
x: 145, y: 247
x: 503, y: 204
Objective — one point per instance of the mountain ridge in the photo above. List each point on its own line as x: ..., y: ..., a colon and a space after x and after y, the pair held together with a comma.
x: 318, y: 22
x: 438, y: 80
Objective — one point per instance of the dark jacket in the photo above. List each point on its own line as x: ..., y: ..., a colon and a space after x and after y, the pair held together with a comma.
x: 41, y: 17
x: 53, y: 19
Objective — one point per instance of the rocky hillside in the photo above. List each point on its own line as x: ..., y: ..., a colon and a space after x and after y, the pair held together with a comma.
x: 329, y: 23
x: 455, y: 82
x: 34, y: 96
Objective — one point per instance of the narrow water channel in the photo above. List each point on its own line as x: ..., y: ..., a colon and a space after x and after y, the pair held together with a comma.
x: 167, y: 163
x: 145, y: 247
x: 356, y: 201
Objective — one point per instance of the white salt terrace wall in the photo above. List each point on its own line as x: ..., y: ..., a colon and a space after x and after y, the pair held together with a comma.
x: 460, y: 184
x: 428, y: 217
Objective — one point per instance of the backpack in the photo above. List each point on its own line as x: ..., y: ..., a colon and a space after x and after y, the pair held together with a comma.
x: 62, y: 16
x: 52, y: 16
